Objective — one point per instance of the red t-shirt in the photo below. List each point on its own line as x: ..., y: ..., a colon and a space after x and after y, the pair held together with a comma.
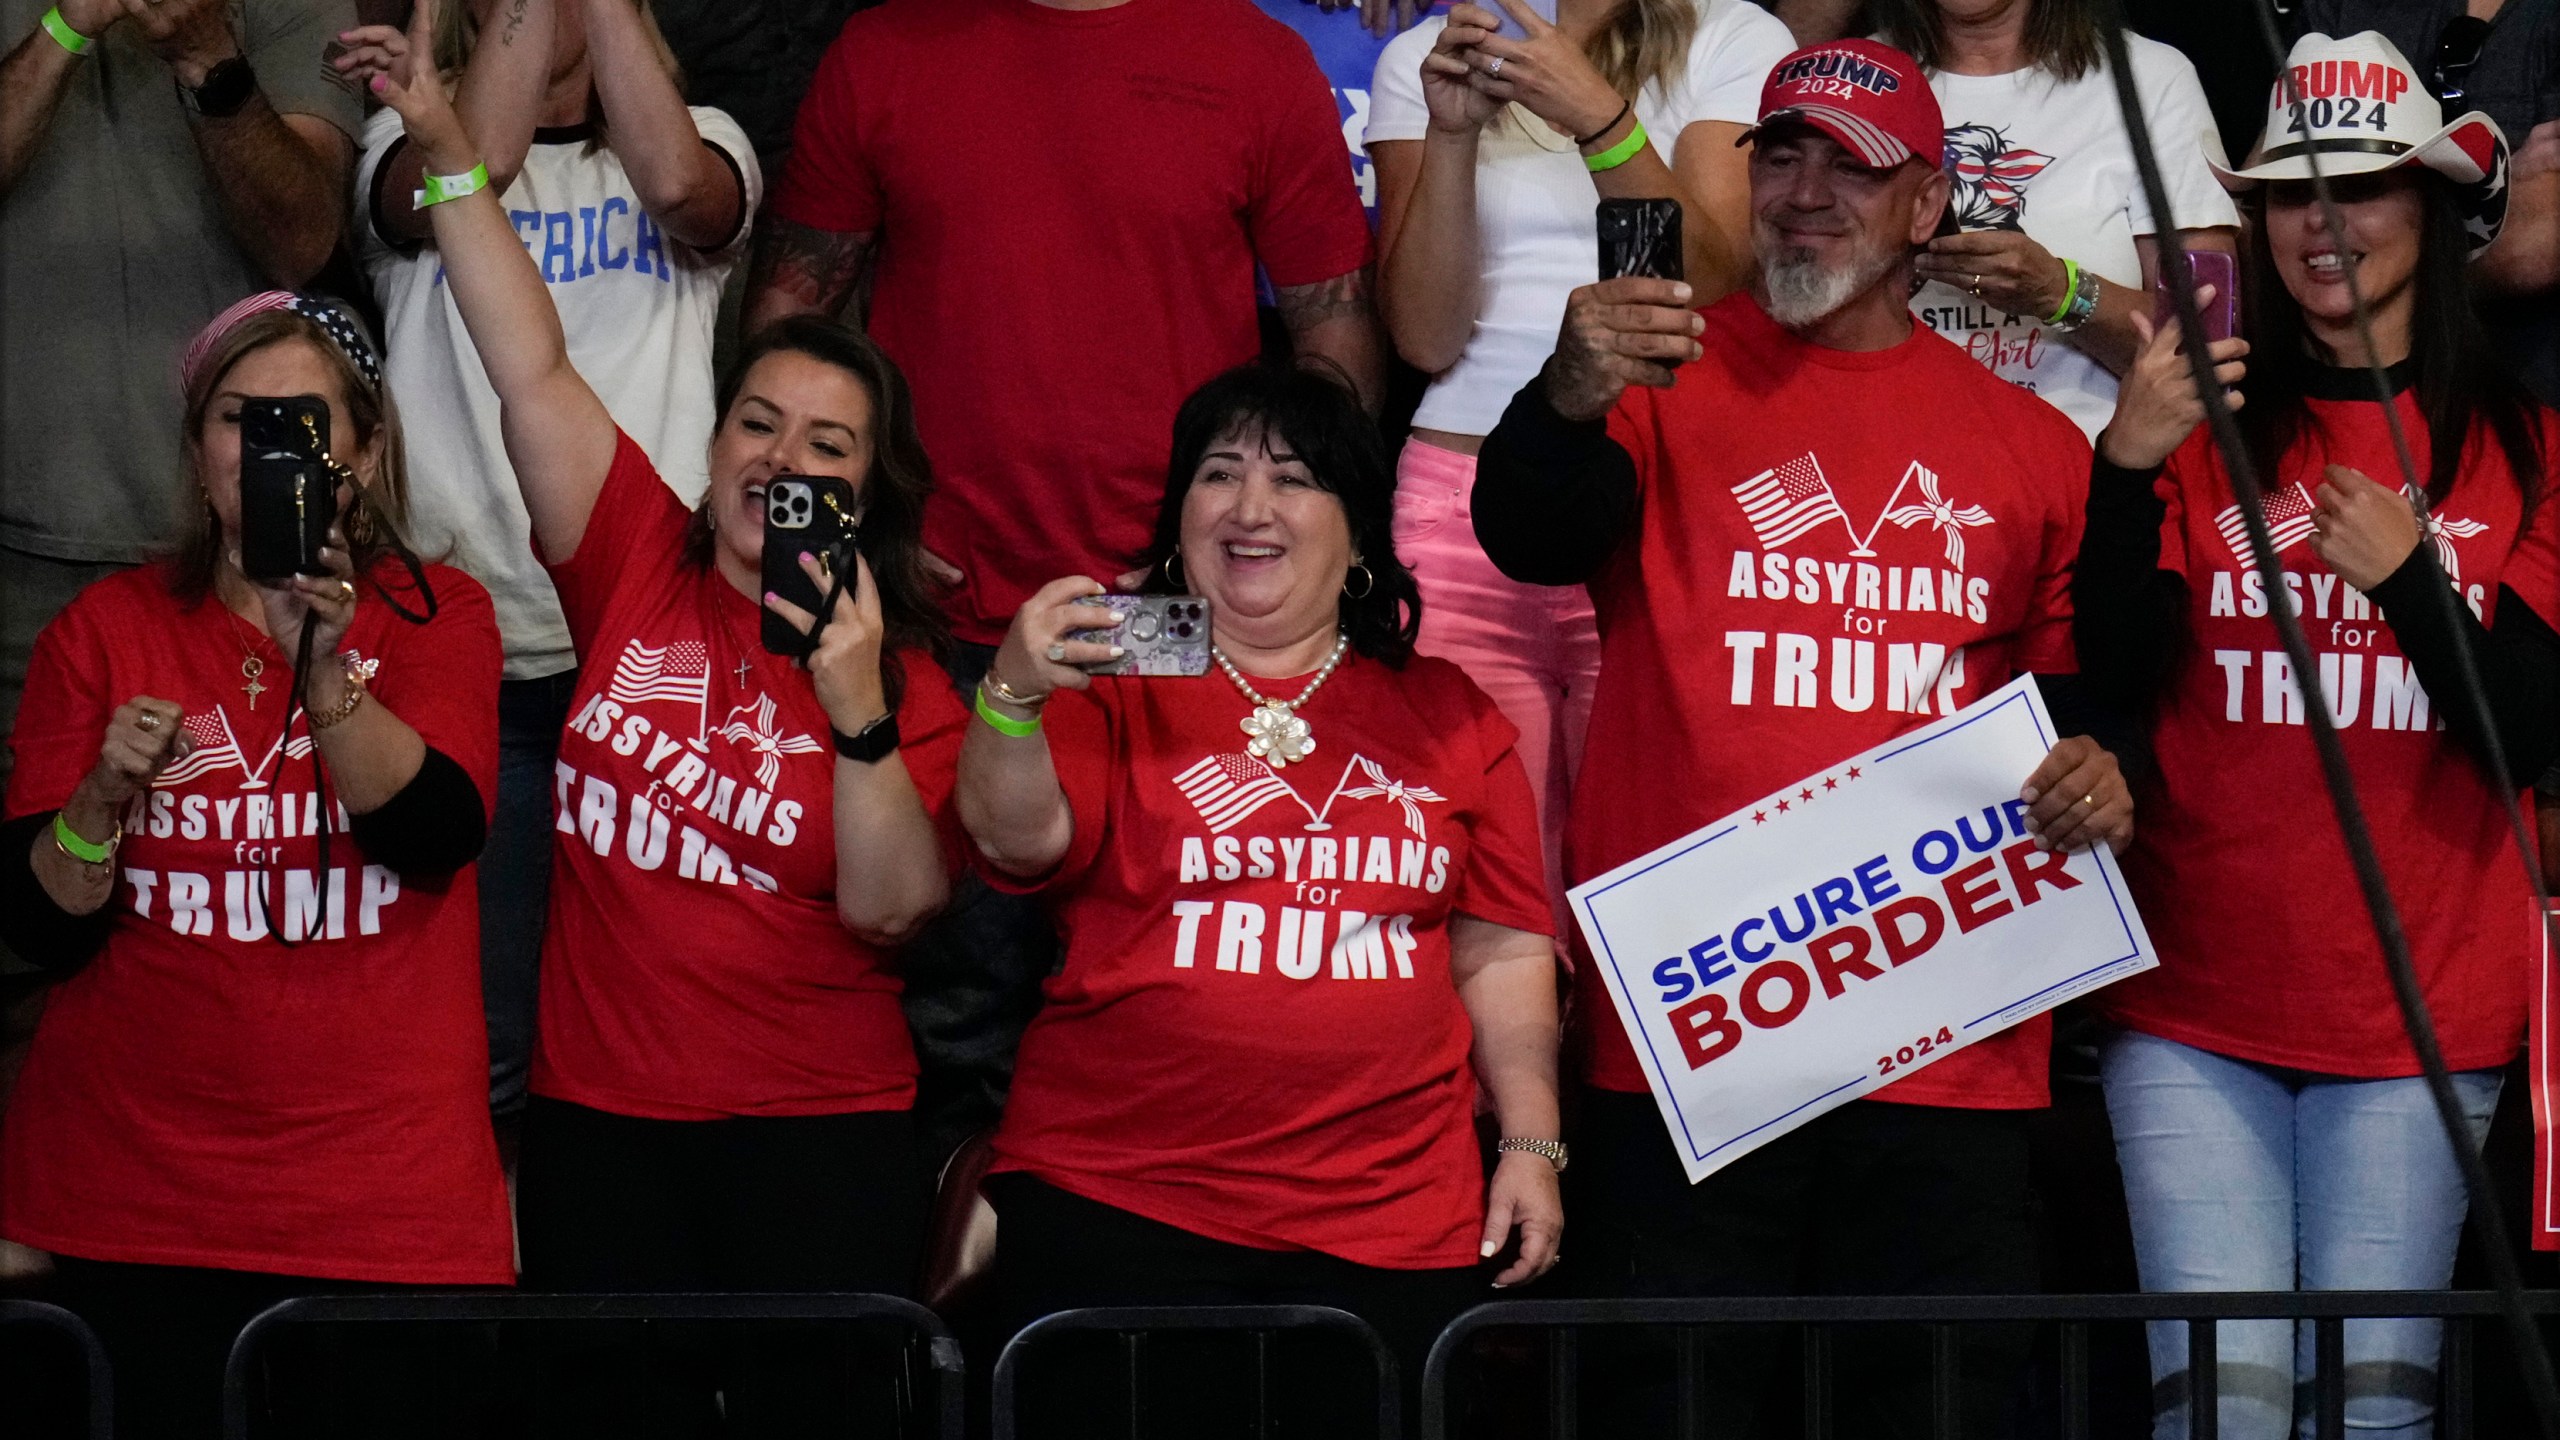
x: 2256, y: 960
x: 1255, y: 1036
x: 1069, y: 205
x: 694, y: 966
x: 201, y: 1093
x: 1836, y: 547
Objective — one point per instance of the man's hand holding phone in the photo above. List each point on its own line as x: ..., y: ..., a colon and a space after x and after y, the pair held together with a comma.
x: 1634, y: 330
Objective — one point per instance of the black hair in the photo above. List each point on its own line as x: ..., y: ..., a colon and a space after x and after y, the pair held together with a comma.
x: 893, y: 493
x: 1315, y: 417
x: 2452, y: 365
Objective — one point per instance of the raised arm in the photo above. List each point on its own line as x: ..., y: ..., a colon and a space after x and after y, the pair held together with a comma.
x: 684, y: 184
x: 33, y: 78
x: 500, y: 100
x: 559, y: 437
x: 1009, y: 797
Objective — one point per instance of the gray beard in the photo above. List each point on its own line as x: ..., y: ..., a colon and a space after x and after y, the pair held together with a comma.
x: 1802, y: 291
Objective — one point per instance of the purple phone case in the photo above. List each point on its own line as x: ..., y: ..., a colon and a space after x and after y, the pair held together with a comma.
x: 2218, y: 269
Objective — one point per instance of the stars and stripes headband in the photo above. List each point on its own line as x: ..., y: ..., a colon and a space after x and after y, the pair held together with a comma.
x: 337, y: 324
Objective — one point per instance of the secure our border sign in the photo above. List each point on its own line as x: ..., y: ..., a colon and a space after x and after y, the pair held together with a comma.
x: 1817, y: 945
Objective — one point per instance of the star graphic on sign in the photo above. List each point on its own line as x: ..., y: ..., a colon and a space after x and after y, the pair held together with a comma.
x: 1759, y: 817
x: 1853, y: 772
x: 1805, y: 794
x: 1830, y: 782
x: 1782, y: 807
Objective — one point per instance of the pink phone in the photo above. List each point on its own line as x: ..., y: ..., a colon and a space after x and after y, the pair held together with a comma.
x: 2217, y: 268
x: 1512, y: 29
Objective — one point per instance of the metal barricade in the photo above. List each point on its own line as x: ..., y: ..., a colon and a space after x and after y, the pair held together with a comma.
x: 941, y: 1351
x: 1133, y: 1325
x: 99, y: 1380
x: 1694, y: 1321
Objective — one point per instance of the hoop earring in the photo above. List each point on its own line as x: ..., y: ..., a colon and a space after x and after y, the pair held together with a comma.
x: 1171, y: 561
x: 1368, y: 586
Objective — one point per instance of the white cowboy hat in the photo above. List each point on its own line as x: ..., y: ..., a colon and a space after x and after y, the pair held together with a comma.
x: 2357, y: 106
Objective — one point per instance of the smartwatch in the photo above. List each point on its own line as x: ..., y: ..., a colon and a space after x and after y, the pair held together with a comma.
x: 226, y: 88
x: 871, y: 744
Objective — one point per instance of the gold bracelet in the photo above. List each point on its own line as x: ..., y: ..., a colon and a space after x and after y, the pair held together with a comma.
x: 322, y: 720
x: 1004, y: 692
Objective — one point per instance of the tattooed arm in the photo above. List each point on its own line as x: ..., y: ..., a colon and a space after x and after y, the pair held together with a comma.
x: 500, y: 99
x: 803, y: 270
x: 1331, y: 321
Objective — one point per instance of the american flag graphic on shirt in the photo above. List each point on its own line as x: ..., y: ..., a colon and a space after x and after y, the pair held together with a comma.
x: 2289, y: 514
x: 679, y: 672
x: 1225, y: 789
x: 1784, y: 503
x: 215, y: 748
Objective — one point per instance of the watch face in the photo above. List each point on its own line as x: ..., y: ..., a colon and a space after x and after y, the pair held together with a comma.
x: 226, y: 88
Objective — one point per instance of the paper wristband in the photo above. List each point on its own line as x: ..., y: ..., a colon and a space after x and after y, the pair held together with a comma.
x: 62, y: 33
x: 440, y: 188
x: 1005, y: 724
x: 2070, y: 291
x: 81, y: 850
x: 1618, y: 154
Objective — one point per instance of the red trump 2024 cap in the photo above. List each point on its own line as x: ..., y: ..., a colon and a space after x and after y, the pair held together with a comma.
x: 1865, y: 94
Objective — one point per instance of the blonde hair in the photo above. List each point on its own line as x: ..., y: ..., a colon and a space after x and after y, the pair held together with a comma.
x: 376, y: 522
x: 1644, y: 42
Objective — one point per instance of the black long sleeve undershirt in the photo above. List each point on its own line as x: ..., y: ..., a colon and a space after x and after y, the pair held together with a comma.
x: 434, y: 826
x: 2131, y: 622
x: 1553, y: 498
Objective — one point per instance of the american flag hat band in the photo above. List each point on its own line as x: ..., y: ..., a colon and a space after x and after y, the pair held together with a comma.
x: 341, y: 328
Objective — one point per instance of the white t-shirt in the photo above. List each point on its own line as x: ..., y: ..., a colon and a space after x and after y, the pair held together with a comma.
x: 2051, y: 158
x: 638, y: 307
x: 1535, y: 201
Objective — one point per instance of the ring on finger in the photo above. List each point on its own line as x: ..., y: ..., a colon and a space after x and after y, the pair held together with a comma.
x: 2090, y: 800
x: 1493, y: 68
x: 346, y: 589
x: 1057, y: 654
x: 148, y: 722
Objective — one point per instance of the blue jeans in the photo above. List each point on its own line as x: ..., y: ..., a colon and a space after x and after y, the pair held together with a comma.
x: 2252, y: 1177
x: 515, y: 877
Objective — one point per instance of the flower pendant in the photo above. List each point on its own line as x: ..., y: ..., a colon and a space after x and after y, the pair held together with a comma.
x: 1279, y: 737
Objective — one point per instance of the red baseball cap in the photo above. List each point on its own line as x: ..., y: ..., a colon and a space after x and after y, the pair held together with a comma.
x: 1865, y: 94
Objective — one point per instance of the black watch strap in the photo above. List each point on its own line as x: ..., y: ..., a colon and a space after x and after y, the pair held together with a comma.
x: 226, y: 88
x: 874, y: 743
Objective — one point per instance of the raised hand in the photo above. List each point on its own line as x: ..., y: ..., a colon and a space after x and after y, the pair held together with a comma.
x: 844, y: 667
x: 403, y: 76
x: 1546, y: 72
x: 191, y: 36
x: 1457, y: 103
x: 1037, y: 657
x: 2157, y: 406
x: 1629, y: 331
x: 142, y: 739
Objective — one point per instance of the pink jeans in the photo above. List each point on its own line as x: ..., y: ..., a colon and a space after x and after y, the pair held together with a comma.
x: 1534, y: 648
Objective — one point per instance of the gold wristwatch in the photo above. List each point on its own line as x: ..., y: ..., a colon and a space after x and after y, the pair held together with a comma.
x: 1551, y: 1151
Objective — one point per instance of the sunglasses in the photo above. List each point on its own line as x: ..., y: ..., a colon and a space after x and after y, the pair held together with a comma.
x: 2457, y: 50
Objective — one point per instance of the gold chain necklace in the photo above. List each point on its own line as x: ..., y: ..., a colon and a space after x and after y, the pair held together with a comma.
x: 251, y: 667
x: 1278, y: 737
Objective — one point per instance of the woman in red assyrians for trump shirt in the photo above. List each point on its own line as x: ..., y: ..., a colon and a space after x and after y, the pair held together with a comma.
x: 265, y: 1073
x: 722, y: 1077
x: 2270, y: 1115
x: 1300, y: 894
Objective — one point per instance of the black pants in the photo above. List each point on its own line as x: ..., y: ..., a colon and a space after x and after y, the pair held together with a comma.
x: 1871, y: 1199
x: 805, y: 1203
x: 1060, y: 1251
x: 168, y: 1329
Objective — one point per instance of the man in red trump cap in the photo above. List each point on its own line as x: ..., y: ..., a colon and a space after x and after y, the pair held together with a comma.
x: 1807, y: 525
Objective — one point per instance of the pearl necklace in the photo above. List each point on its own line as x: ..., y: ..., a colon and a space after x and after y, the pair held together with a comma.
x: 1278, y: 737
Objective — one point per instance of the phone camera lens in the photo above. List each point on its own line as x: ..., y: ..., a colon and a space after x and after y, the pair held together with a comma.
x: 1183, y: 629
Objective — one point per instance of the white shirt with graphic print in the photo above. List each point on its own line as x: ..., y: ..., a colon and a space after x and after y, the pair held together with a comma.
x: 2050, y: 157
x: 638, y: 307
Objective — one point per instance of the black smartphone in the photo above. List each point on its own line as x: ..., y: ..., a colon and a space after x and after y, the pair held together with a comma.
x: 1640, y: 237
x: 288, y: 495
x: 811, y: 513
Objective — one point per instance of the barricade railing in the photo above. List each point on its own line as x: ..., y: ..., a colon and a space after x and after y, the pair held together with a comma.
x: 1134, y: 1325
x: 1819, y: 1317
x: 941, y: 1353
x: 99, y: 1397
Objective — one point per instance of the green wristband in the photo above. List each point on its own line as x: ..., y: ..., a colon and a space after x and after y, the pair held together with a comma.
x: 1618, y: 154
x: 69, y: 39
x: 1004, y: 724
x: 437, y: 189
x: 2070, y: 291
x: 86, y: 852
